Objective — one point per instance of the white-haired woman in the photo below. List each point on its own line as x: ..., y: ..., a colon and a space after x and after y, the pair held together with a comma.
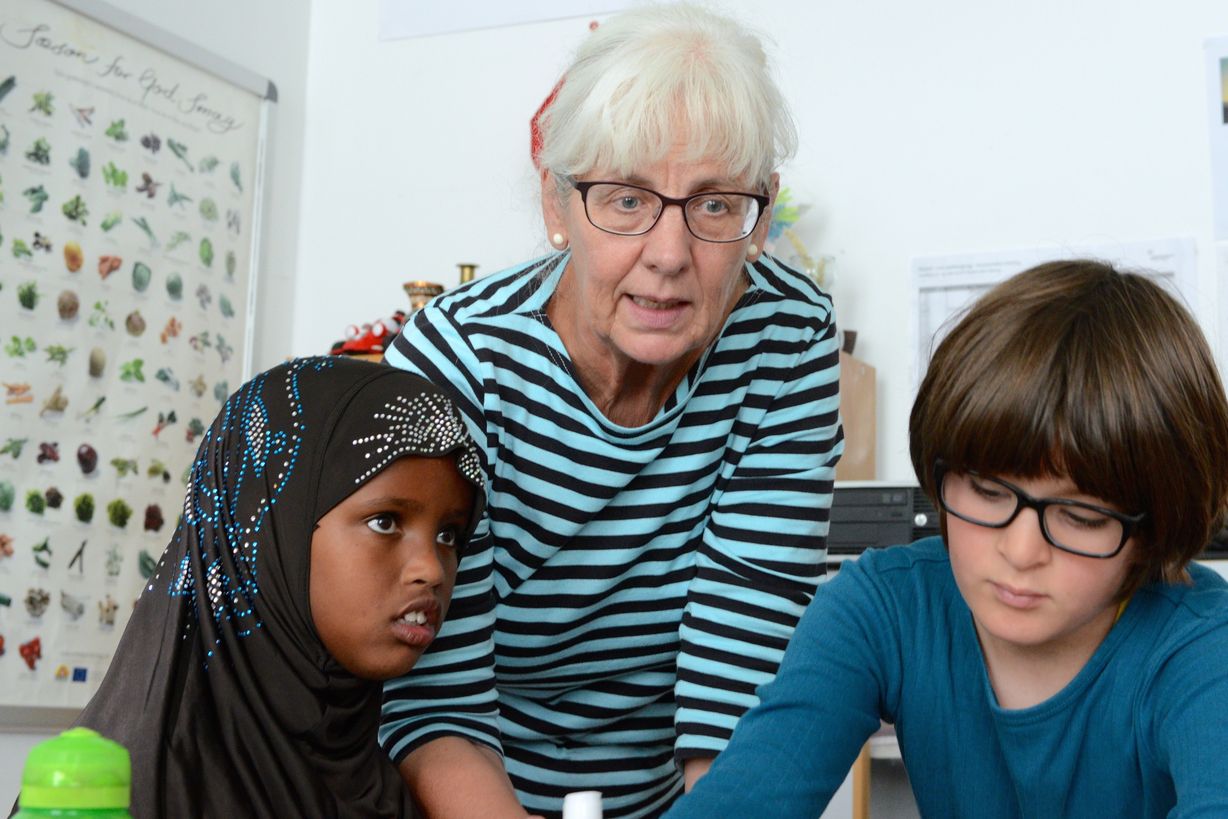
x: 657, y: 404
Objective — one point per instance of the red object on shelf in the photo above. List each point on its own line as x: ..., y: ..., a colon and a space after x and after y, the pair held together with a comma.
x: 31, y: 652
x: 370, y: 338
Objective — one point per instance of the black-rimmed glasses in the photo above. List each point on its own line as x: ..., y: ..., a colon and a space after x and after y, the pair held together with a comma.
x: 629, y: 210
x: 1072, y: 526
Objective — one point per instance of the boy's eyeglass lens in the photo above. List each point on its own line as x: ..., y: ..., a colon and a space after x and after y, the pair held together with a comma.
x: 629, y: 210
x: 1072, y: 526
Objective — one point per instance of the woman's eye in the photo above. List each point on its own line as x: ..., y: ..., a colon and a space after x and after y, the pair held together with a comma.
x: 628, y: 202
x: 714, y: 207
x: 382, y: 524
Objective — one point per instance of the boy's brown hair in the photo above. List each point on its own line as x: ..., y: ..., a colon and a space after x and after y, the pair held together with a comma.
x: 1074, y: 368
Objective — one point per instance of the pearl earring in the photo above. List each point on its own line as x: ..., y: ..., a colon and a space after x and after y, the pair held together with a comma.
x: 558, y: 241
x: 752, y: 250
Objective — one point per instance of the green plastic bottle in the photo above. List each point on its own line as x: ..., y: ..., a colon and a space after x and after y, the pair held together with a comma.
x: 77, y: 774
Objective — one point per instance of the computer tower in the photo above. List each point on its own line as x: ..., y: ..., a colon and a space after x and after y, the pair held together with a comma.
x: 875, y: 514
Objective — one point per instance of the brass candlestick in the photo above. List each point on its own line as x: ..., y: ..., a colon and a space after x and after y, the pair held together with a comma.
x: 421, y: 292
x: 466, y: 272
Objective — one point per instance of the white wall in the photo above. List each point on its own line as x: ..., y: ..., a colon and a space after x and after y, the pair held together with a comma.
x: 940, y: 127
x: 268, y: 37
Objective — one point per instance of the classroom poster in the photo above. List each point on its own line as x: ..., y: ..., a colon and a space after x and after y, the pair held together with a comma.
x: 1217, y: 119
x: 943, y: 286
x: 127, y: 183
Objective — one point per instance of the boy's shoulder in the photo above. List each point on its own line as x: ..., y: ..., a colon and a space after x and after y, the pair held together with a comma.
x: 1204, y: 598
x: 916, y: 571
x: 926, y: 554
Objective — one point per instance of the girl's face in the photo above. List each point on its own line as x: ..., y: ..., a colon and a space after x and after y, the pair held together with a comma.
x: 383, y: 563
x: 1025, y: 594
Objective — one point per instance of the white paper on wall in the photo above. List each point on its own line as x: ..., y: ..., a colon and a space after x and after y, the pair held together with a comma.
x: 417, y: 18
x: 942, y: 286
x: 128, y: 180
x: 1217, y: 121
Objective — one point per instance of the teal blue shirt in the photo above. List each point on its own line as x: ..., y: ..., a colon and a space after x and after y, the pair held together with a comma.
x: 1141, y: 731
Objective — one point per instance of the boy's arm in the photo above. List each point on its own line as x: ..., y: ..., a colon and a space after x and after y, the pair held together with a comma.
x: 790, y: 753
x: 1189, y: 705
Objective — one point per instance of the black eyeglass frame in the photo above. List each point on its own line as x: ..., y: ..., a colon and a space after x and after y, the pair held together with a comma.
x: 1024, y: 500
x: 666, y: 201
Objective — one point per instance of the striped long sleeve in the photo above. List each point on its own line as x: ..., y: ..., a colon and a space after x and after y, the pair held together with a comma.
x: 629, y: 587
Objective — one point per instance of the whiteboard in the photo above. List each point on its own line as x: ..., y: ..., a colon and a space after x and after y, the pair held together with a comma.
x: 131, y: 169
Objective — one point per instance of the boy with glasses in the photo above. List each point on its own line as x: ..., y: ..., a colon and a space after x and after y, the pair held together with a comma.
x: 1055, y: 652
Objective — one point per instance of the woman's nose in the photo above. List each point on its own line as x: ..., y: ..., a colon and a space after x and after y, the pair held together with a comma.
x: 667, y: 247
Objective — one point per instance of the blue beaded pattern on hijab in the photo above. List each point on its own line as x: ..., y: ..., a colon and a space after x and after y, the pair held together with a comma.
x: 211, y: 504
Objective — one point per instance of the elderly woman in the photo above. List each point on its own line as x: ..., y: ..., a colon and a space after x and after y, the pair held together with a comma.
x: 657, y: 406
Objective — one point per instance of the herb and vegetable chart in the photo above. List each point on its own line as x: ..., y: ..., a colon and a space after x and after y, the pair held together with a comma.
x: 127, y: 180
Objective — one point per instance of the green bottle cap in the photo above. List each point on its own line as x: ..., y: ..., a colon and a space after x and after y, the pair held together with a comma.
x: 77, y: 769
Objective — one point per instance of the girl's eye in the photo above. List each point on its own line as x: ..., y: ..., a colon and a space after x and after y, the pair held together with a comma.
x: 382, y: 524
x: 450, y: 537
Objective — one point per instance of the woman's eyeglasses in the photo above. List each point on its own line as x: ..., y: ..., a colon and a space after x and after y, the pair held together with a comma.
x: 629, y: 210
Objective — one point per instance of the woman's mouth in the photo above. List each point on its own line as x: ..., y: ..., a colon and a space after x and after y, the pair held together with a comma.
x: 656, y: 314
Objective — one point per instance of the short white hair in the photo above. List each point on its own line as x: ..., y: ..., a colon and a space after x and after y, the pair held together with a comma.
x: 653, y: 74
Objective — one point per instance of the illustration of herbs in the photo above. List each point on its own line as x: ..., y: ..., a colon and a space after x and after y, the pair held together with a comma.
x: 111, y: 220
x: 100, y: 317
x: 27, y: 294
x: 140, y: 222
x: 13, y: 446
x: 83, y: 507
x: 92, y: 411
x: 113, y: 176
x: 20, y: 249
x: 177, y: 238
x: 43, y: 103
x: 20, y: 347
x: 118, y: 513
x: 40, y: 152
x: 208, y: 209
x: 208, y: 164
x: 75, y: 209
x: 58, y: 353
x: 37, y: 197
x: 176, y: 198
x: 8, y: 85
x: 125, y: 466
x: 81, y: 163
x: 131, y: 370
x: 206, y: 252
x: 5, y: 139
x: 234, y: 176
x: 116, y: 131
x: 180, y: 150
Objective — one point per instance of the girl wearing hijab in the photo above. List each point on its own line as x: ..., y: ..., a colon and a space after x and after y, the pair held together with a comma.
x: 327, y: 509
